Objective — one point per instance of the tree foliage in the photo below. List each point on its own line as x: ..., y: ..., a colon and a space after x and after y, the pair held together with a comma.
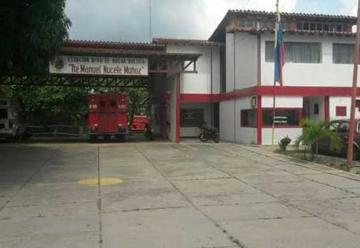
x: 313, y: 132
x: 50, y: 105
x: 32, y: 31
x: 68, y: 105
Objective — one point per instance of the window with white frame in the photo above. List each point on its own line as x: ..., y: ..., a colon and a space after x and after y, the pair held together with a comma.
x: 248, y: 118
x: 343, y: 53
x: 296, y: 52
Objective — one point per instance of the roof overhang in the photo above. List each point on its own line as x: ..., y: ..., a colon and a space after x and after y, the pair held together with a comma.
x: 160, y: 61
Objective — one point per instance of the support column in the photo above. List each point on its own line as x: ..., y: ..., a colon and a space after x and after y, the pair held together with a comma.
x: 326, y: 108
x: 259, y: 120
x: 178, y: 108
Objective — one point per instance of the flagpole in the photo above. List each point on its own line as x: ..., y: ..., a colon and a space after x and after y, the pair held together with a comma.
x: 350, y: 152
x: 274, y: 89
x: 150, y: 22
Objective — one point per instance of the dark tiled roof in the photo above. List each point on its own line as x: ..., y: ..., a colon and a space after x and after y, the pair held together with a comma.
x: 148, y: 50
x: 220, y: 30
x: 113, y: 45
x: 296, y: 15
x: 192, y: 42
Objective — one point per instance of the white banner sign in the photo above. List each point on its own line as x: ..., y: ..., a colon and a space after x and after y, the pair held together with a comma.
x: 92, y: 65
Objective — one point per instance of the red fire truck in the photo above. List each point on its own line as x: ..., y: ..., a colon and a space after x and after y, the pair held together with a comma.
x: 108, y: 116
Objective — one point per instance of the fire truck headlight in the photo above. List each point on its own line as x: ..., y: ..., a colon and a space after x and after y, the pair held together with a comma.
x: 120, y: 125
x: 96, y: 125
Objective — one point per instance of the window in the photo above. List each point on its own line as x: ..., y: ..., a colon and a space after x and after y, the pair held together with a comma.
x: 102, y: 104
x: 358, y: 104
x: 326, y: 27
x: 283, y: 117
x: 192, y: 117
x: 113, y: 103
x: 320, y: 26
x: 296, y: 52
x: 313, y: 26
x: 248, y: 23
x: 3, y: 114
x: 343, y: 53
x: 316, y: 109
x: 341, y: 111
x: 306, y: 26
x: 339, y: 28
x: 299, y: 26
x: 248, y: 118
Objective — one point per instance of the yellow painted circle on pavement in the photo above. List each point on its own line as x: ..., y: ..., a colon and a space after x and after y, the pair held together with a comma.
x: 104, y: 181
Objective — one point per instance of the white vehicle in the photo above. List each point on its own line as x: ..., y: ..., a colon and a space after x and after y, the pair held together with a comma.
x: 10, y: 126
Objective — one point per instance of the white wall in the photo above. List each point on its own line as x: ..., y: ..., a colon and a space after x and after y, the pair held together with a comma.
x: 297, y: 74
x: 292, y: 133
x: 230, y: 57
x: 230, y: 122
x: 244, y: 135
x: 195, y: 131
x: 245, y: 60
x: 207, y: 79
x: 282, y: 102
x: 241, y: 57
x: 227, y: 124
x: 316, y: 100
x: 341, y: 102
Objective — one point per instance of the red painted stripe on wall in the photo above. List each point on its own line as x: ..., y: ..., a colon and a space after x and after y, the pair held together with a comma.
x: 269, y: 91
x: 305, y: 91
x: 200, y: 98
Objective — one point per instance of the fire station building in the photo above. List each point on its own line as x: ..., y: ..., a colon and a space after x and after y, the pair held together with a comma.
x: 227, y: 81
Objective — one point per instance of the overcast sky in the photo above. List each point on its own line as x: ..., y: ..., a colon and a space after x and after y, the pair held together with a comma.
x: 128, y: 20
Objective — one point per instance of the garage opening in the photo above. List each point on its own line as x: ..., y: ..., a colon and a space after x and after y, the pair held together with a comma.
x: 110, y: 90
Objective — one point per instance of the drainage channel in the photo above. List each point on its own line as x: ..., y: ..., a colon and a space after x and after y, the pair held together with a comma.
x: 99, y: 199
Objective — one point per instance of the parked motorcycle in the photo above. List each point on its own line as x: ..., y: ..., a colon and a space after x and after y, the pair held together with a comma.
x: 207, y: 134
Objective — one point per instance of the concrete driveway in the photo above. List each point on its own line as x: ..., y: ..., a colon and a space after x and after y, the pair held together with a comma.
x: 187, y: 195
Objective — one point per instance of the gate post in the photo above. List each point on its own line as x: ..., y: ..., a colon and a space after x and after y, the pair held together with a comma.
x: 178, y: 107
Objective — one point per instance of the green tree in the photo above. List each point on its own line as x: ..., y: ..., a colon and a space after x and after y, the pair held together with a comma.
x: 32, y: 31
x: 50, y: 105
x: 313, y: 132
x: 139, y: 103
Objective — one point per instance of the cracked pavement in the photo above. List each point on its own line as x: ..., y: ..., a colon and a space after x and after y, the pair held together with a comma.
x: 188, y: 195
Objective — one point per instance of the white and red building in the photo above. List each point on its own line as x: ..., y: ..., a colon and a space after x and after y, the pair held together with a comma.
x: 231, y: 84
x: 317, y: 74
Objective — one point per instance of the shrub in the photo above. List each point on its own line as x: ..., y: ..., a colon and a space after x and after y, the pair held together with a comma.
x: 284, y: 142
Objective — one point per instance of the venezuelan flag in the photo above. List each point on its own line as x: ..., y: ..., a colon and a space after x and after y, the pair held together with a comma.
x: 279, y: 57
